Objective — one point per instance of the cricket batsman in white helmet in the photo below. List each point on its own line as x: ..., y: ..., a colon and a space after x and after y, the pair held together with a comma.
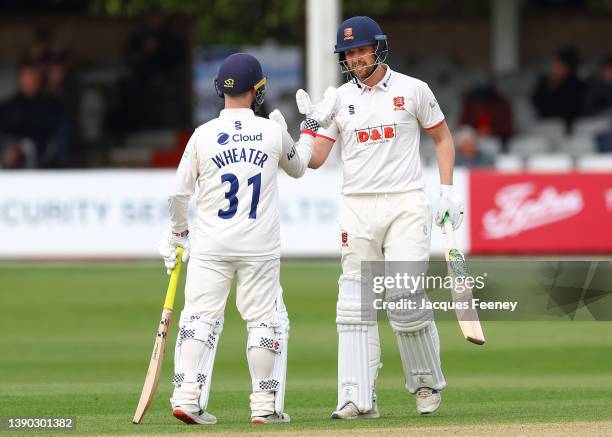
x: 233, y: 161
x: 385, y: 214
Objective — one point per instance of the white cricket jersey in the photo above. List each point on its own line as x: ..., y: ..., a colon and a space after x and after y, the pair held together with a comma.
x: 378, y: 129
x: 233, y: 160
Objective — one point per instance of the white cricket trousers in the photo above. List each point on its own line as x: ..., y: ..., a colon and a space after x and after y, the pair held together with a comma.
x: 379, y: 227
x: 209, y: 281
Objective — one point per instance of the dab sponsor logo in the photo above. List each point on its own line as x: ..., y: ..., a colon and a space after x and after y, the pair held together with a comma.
x: 376, y: 134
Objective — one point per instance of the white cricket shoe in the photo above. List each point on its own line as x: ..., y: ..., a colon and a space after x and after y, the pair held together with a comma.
x: 192, y: 415
x: 427, y: 400
x: 349, y: 411
x: 271, y: 418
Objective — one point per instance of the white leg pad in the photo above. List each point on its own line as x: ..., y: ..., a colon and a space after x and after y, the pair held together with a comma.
x: 358, y: 348
x: 419, y: 347
x: 267, y: 357
x: 194, y: 357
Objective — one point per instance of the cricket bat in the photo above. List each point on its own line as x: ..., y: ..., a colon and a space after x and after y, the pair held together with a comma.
x: 159, y: 348
x: 455, y: 260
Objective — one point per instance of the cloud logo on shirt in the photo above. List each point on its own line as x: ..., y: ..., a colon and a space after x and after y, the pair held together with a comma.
x: 223, y: 138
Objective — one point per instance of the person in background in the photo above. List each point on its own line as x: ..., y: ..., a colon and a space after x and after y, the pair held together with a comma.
x: 32, y: 119
x: 488, y: 112
x: 153, y: 91
x: 62, y: 87
x: 468, y: 152
x: 598, y: 97
x: 40, y: 48
x: 559, y: 93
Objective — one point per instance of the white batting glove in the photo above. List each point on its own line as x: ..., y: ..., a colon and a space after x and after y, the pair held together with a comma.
x: 277, y: 117
x: 302, y: 99
x: 324, y: 111
x: 451, y: 205
x: 168, y: 245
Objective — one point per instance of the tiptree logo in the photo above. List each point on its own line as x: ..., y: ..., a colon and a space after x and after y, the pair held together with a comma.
x: 223, y: 138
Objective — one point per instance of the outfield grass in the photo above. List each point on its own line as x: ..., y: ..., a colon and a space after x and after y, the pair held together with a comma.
x: 77, y: 340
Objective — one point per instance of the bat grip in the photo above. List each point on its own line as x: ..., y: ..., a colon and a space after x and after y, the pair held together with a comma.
x: 450, y: 232
x: 174, y: 277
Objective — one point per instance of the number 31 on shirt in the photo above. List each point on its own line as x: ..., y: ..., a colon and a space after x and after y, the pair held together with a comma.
x: 230, y: 195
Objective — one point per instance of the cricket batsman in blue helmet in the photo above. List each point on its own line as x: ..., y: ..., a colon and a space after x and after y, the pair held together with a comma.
x: 385, y: 214
x: 233, y: 160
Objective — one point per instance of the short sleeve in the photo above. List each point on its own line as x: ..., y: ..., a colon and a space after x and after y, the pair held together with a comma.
x: 331, y: 133
x: 428, y: 111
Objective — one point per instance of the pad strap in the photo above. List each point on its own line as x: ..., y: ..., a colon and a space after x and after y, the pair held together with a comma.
x: 275, y: 344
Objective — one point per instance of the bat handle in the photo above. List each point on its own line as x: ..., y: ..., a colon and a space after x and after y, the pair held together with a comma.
x: 450, y: 232
x: 174, y: 278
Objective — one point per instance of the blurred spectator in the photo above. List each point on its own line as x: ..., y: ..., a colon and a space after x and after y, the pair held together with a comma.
x: 29, y: 122
x: 155, y: 49
x: 62, y: 86
x: 598, y: 96
x: 560, y: 92
x: 41, y: 47
x: 468, y: 153
x: 488, y: 112
x: 152, y: 94
x: 604, y: 141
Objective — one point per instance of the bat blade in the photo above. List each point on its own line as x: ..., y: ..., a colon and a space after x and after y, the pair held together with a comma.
x: 159, y: 348
x: 155, y: 367
x: 467, y: 317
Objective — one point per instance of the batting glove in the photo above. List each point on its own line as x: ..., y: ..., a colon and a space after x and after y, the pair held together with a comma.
x: 168, y: 245
x: 324, y: 111
x: 450, y: 205
x: 278, y: 118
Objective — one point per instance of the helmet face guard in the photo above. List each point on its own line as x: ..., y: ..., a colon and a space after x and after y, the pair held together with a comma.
x: 260, y: 93
x: 381, y: 50
x: 217, y: 88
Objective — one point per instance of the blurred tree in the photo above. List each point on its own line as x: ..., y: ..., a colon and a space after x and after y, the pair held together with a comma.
x: 234, y: 22
x: 380, y: 8
x: 230, y: 22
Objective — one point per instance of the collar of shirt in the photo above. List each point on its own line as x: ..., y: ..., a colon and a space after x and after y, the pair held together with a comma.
x: 384, y: 84
x: 234, y: 112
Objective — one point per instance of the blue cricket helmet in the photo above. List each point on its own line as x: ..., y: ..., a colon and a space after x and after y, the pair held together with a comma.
x: 360, y: 32
x: 240, y: 73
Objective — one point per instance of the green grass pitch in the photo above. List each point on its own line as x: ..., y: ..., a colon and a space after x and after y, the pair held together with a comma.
x: 76, y: 340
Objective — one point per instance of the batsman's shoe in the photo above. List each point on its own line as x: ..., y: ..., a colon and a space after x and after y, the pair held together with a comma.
x: 193, y: 416
x: 349, y: 411
x: 427, y: 400
x: 270, y: 419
